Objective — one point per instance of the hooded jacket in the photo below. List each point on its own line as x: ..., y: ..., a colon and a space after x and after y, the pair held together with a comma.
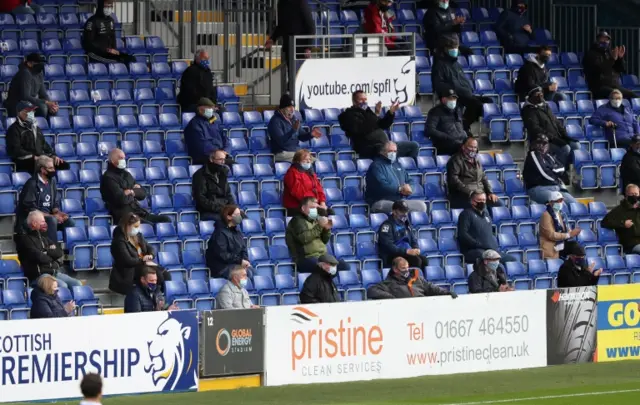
x: 283, y: 137
x: 210, y: 188
x: 203, y: 136
x: 300, y: 183
x: 531, y: 75
x: 319, y: 288
x: 25, y: 140
x: 615, y: 219
x: 113, y: 183
x: 99, y: 34
x: 600, y: 69
x: 539, y: 120
x: 541, y: 170
x: 509, y: 27
x: 31, y: 199
x: 384, y: 180
x: 25, y: 86
x: 464, y: 177
x: 444, y: 127
x: 438, y: 23
x: 306, y: 238
x: 394, y: 238
x: 196, y: 82
x: 447, y: 72
x: 44, y: 305
x: 126, y: 260
x: 394, y: 286
x: 365, y: 129
x: 226, y: 247
x: 484, y: 280
x: 570, y: 275
x: 36, y: 255
x: 475, y: 231
x: 626, y: 124
x: 630, y: 168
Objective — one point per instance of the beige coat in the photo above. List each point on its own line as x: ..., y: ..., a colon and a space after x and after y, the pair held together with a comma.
x: 549, y: 236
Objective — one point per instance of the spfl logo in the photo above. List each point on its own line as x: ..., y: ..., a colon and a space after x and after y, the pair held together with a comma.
x: 238, y: 341
x: 173, y: 353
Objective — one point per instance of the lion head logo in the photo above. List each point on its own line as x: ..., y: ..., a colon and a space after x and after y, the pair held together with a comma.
x: 173, y: 355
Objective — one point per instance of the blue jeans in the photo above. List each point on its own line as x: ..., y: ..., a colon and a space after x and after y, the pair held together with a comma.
x: 563, y: 153
x: 53, y: 227
x: 541, y: 194
x: 64, y: 280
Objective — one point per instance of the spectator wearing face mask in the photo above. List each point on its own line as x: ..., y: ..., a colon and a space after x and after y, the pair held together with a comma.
x: 542, y: 173
x: 285, y: 131
x: 378, y: 21
x: 514, y: 28
x: 26, y: 143
x: 554, y: 228
x: 538, y: 119
x: 145, y: 296
x: 204, y: 135
x: 28, y: 85
x: 227, y: 247
x: 366, y: 129
x: 196, y: 83
x: 488, y: 275
x: 319, y: 287
x: 575, y: 271
x: 46, y: 302
x: 475, y: 231
x: 617, y: 121
x: 210, y: 187
x: 396, y: 238
x: 40, y: 193
x: 17, y: 7
x: 440, y: 21
x: 630, y: 165
x: 301, y: 181
x: 535, y: 73
x: 402, y: 282
x: 234, y: 294
x: 603, y: 67
x: 444, y: 123
x: 625, y: 220
x: 465, y: 175
x: 99, y: 36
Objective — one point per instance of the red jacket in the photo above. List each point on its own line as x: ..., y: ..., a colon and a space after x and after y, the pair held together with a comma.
x: 298, y: 185
x: 7, y: 5
x: 377, y: 22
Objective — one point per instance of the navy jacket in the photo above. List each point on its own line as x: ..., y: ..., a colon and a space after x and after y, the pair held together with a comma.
x: 444, y: 127
x: 394, y: 239
x: 509, y: 27
x: 283, y: 137
x: 31, y: 199
x: 226, y: 247
x: 447, y: 72
x: 141, y: 299
x: 475, y: 231
x: 384, y: 179
x: 46, y: 306
x: 203, y: 136
x: 541, y: 170
x: 626, y: 125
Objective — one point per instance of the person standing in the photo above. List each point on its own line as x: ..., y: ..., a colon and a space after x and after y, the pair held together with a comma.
x: 514, y: 28
x: 91, y: 388
x: 440, y: 21
x: 196, y: 83
x: 28, y: 85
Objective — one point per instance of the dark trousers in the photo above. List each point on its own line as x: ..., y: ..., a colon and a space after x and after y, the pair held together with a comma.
x: 29, y: 165
x: 471, y: 256
x: 418, y: 261
x: 405, y: 149
x: 307, y: 265
x: 603, y: 93
x: 154, y: 219
x: 286, y: 54
x: 457, y: 202
x: 473, y: 111
x: 209, y: 216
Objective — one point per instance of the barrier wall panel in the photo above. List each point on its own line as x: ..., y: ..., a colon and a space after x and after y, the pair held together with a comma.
x: 618, y: 322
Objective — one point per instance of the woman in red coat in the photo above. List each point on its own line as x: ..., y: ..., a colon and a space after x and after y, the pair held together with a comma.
x: 301, y: 181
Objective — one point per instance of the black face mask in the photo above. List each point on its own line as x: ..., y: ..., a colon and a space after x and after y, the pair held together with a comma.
x: 536, y: 99
x: 50, y: 174
x: 632, y: 199
x: 543, y: 58
x: 480, y: 206
x: 383, y: 8
x: 37, y: 68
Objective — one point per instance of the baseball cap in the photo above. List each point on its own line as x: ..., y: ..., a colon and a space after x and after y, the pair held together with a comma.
x: 35, y: 58
x: 205, y: 102
x: 555, y: 196
x: 25, y: 106
x: 327, y: 258
x: 447, y: 91
x: 401, y: 206
x: 491, y: 255
x: 285, y: 101
x: 604, y: 33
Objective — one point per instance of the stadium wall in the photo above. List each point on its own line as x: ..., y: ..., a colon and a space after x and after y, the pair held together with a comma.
x: 43, y: 360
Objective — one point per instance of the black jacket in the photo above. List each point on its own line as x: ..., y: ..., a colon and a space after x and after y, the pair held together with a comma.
x: 475, y: 231
x: 196, y: 82
x: 600, y: 69
x: 569, y: 275
x: 464, y: 177
x: 226, y: 247
x: 294, y: 18
x: 394, y: 239
x: 36, y: 255
x: 46, y: 306
x: 365, y: 129
x: 396, y: 287
x: 30, y: 200
x: 483, y: 280
x: 25, y: 86
x: 99, y: 34
x: 438, y: 23
x: 126, y: 261
x: 319, y: 288
x: 444, y: 127
x: 615, y: 219
x: 630, y: 168
x: 113, y: 183
x: 141, y: 299
x: 447, y: 72
x: 539, y: 120
x: 541, y: 170
x: 22, y: 143
x: 532, y: 75
x: 210, y: 189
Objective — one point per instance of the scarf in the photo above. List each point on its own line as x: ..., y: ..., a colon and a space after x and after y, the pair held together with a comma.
x: 556, y: 224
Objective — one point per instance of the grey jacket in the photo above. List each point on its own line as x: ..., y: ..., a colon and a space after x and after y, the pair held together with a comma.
x: 25, y: 86
x: 464, y: 177
x: 231, y: 296
x: 395, y: 287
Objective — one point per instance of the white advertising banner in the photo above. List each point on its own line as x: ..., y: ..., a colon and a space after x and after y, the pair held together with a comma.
x: 329, y: 83
x: 45, y: 359
x: 329, y: 343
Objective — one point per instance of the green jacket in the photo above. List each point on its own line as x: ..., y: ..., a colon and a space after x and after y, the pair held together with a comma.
x: 306, y: 238
x: 615, y: 219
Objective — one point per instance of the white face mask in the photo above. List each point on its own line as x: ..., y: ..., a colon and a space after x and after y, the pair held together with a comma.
x: 134, y: 231
x: 333, y: 270
x: 108, y: 11
x: 208, y: 113
x: 305, y: 166
x: 122, y: 164
x: 31, y: 116
x: 616, y: 103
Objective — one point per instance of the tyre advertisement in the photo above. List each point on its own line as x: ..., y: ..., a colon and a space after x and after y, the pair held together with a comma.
x: 571, y: 325
x: 619, y: 323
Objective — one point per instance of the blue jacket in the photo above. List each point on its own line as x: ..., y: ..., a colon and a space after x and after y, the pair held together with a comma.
x: 203, y: 136
x: 46, y: 306
x: 475, y: 231
x: 384, y: 179
x: 509, y: 27
x: 226, y: 247
x: 626, y: 125
x: 283, y: 137
x: 394, y: 238
x: 141, y: 299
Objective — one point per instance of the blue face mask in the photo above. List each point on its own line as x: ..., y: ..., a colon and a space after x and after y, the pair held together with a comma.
x: 493, y: 265
x: 451, y: 104
x: 208, y: 113
x: 364, y: 106
x: 453, y: 52
x: 243, y: 283
x: 392, y: 156
x: 205, y: 63
x: 604, y: 45
x: 305, y: 166
x: 152, y: 286
x: 444, y: 5
x: 557, y: 207
x: 313, y: 213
